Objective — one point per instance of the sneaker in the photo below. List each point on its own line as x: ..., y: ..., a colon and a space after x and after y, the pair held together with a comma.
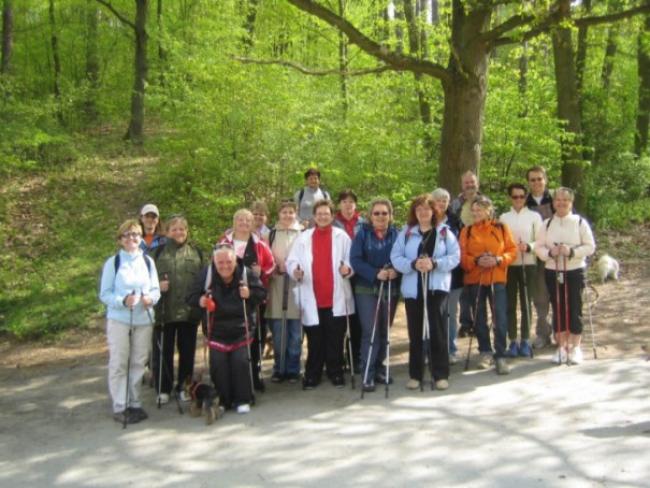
x: 453, y: 358
x: 243, y: 408
x: 119, y: 417
x: 442, y: 384
x: 525, y: 351
x: 369, y: 387
x: 338, y: 381
x: 136, y: 414
x: 163, y: 398
x: 277, y: 378
x: 309, y: 383
x: 381, y: 378
x: 513, y: 350
x: 292, y: 378
x: 412, y: 384
x: 559, y: 356
x: 541, y: 342
x: 502, y: 366
x: 575, y: 356
x: 484, y: 360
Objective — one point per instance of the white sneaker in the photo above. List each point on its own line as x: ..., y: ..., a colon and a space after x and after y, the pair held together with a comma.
x: 163, y: 398
x: 559, y: 356
x: 485, y: 360
x: 412, y: 384
x: 243, y: 408
x: 576, y: 357
x: 453, y: 358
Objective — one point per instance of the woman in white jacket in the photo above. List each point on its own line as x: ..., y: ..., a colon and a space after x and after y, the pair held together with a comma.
x: 320, y: 260
x: 522, y: 272
x: 563, y: 242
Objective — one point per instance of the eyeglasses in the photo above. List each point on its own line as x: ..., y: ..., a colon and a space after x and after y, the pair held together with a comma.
x: 517, y: 197
x: 380, y: 214
x: 131, y: 235
x: 533, y: 180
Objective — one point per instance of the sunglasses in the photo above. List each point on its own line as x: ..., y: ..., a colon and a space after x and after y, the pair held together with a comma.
x: 131, y: 235
x: 378, y: 214
x: 517, y: 197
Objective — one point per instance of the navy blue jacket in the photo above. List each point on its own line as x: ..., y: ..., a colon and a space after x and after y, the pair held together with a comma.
x: 369, y: 255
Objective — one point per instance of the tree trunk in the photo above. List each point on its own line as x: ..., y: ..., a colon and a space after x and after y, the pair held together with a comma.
x: 610, y: 54
x: 162, y: 53
x: 7, y: 36
x: 464, y: 106
x: 92, y: 61
x: 643, y: 107
x: 568, y: 110
x: 581, y: 51
x: 136, y: 125
x: 54, y: 41
x: 343, y: 63
x: 523, y: 79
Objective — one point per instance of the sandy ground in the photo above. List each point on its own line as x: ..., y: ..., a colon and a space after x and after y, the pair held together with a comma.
x: 542, y: 425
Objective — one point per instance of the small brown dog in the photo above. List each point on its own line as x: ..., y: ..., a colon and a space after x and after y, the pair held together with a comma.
x: 204, y: 400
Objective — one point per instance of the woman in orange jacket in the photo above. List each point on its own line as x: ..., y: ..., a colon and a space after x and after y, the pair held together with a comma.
x: 487, y: 248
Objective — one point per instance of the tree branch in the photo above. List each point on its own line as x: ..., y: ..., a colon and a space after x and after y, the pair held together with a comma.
x: 615, y: 17
x: 311, y: 71
x: 120, y: 17
x: 512, y: 23
x: 396, y: 61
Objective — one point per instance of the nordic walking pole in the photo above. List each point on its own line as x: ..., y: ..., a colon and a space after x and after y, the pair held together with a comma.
x: 388, y: 314
x: 526, y: 303
x: 302, y: 329
x: 566, y: 309
x: 128, y: 367
x: 160, y: 345
x: 476, y: 302
x: 558, y: 314
x: 349, y: 336
x: 426, y: 337
x: 244, y: 282
x: 260, y: 346
x: 283, y: 328
x: 372, y: 339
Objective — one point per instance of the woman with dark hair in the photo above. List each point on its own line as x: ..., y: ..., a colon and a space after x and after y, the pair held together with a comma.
x: 426, y: 251
x: 153, y: 234
x: 370, y: 258
x: 487, y: 251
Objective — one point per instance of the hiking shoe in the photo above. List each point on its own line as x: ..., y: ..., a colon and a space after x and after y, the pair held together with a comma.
x: 381, y: 378
x: 119, y: 417
x: 484, y: 360
x: 277, y: 378
x: 541, y: 342
x: 292, y: 378
x: 338, y: 381
x: 243, y: 408
x: 369, y: 387
x: 442, y: 384
x: 412, y: 384
x: 136, y: 414
x: 513, y: 350
x: 309, y: 383
x: 163, y: 398
x: 453, y: 358
x: 575, y: 356
x: 559, y: 356
x: 525, y: 351
x: 502, y: 366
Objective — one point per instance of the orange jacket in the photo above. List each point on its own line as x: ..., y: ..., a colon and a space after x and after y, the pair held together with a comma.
x: 486, y: 237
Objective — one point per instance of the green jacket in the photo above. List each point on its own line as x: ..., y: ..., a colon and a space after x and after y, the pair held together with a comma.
x: 179, y: 264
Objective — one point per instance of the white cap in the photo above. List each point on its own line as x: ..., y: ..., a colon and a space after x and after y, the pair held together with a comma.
x: 150, y: 208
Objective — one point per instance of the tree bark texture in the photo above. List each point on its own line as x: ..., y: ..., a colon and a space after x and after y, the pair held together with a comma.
x: 135, y: 131
x: 643, y: 104
x: 7, y: 36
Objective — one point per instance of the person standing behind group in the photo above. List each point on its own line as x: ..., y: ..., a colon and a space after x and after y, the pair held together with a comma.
x: 260, y: 216
x: 564, y: 242
x: 178, y: 263
x: 230, y: 294
x: 441, y: 199
x: 370, y: 258
x: 281, y: 293
x: 153, y: 234
x: 320, y: 260
x: 539, y: 199
x: 307, y: 196
x: 522, y: 272
x: 487, y: 251
x: 129, y: 289
x: 426, y: 247
x: 350, y: 220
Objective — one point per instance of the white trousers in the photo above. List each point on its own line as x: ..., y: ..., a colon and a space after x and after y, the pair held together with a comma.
x: 117, y: 335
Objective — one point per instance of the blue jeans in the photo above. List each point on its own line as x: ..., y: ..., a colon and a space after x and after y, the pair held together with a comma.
x: 452, y: 311
x: 293, y: 346
x: 499, y: 306
x: 366, y: 308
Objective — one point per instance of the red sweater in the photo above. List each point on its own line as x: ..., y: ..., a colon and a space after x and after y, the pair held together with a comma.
x: 321, y: 268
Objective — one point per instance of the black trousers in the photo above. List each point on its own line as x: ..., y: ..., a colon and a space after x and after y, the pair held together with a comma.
x: 183, y: 334
x: 575, y: 281
x: 231, y: 377
x: 257, y: 347
x: 325, y: 345
x: 437, y: 311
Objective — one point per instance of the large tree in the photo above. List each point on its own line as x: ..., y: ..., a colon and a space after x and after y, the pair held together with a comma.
x: 7, y: 35
x: 475, y: 33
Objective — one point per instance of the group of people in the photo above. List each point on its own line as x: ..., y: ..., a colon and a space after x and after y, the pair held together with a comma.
x: 334, y: 275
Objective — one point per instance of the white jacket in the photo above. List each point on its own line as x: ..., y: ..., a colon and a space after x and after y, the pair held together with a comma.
x: 301, y: 255
x: 571, y: 230
x: 524, y: 226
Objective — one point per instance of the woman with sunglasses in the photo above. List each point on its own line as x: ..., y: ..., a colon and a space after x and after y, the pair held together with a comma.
x: 426, y: 247
x: 178, y: 262
x: 370, y: 258
x: 522, y: 272
x: 129, y: 289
